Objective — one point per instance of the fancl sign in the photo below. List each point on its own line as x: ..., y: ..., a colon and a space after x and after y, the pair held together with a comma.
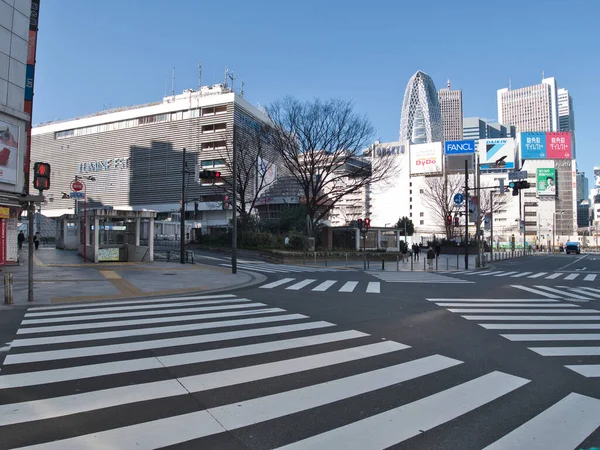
x: 390, y: 150
x: 103, y: 165
x: 460, y: 147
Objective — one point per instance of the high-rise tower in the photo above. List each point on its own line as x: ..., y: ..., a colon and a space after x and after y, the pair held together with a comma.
x: 421, y: 120
x: 452, y: 113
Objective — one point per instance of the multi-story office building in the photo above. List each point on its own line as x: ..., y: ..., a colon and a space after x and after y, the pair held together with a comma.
x: 478, y: 128
x: 583, y: 186
x: 421, y: 118
x: 566, y: 115
x: 132, y: 157
x: 532, y: 108
x: 452, y: 113
x: 18, y: 34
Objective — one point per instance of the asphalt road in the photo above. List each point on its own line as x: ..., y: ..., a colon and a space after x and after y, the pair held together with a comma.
x: 318, y: 359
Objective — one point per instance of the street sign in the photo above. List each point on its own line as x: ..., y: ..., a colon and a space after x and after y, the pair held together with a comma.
x: 519, y: 175
x: 77, y: 195
x: 459, y: 198
x: 77, y: 185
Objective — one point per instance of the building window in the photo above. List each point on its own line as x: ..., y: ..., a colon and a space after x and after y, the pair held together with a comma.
x: 411, y: 199
x: 410, y: 215
x: 421, y: 222
x: 420, y: 191
x: 210, y: 163
x: 422, y: 214
x: 214, y: 128
x: 410, y: 192
x: 410, y: 207
x: 64, y: 134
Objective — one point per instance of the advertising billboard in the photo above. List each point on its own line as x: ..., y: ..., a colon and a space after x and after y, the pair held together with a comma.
x: 426, y: 158
x: 390, y: 148
x: 9, y: 152
x: 533, y: 145
x: 459, y: 147
x: 558, y: 146
x: 546, y: 182
x: 496, y: 154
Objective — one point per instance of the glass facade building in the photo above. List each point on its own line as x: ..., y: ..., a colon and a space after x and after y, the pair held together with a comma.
x: 421, y: 120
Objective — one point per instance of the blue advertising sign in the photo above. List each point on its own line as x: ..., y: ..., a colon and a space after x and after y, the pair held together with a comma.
x: 459, y: 198
x: 533, y: 145
x: 29, y: 74
x: 77, y: 195
x: 459, y: 147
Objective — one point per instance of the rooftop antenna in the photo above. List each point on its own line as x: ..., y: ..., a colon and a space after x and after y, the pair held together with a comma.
x: 232, y: 77
x: 199, y: 75
x: 173, y: 83
x: 448, y: 83
x: 509, y: 84
x: 226, y: 75
x: 543, y: 75
x: 242, y: 89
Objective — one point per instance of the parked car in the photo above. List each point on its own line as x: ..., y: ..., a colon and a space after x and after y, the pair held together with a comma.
x: 573, y: 247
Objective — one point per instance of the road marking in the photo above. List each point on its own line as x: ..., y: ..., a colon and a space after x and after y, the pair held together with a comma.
x: 491, y: 300
x: 386, y: 429
x: 571, y: 276
x: 535, y: 291
x: 537, y: 275
x: 589, y: 289
x: 179, y: 359
x: 553, y: 276
x: 580, y: 290
x: 505, y: 274
x: 324, y: 285
x: 553, y: 337
x: 590, y: 277
x: 485, y: 274
x: 567, y: 294
x: 587, y: 370
x: 277, y: 283
x: 573, y: 262
x: 522, y: 274
x: 541, y: 326
x: 566, y: 351
x: 349, y: 286
x: 564, y: 425
x: 83, y: 337
x: 510, y: 305
x: 17, y: 358
x: 542, y: 318
x: 522, y: 311
x: 300, y: 284
x: 374, y: 287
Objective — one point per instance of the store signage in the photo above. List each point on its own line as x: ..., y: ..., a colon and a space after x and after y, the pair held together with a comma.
x: 390, y: 150
x: 103, y: 165
x: 459, y: 147
x: 108, y: 254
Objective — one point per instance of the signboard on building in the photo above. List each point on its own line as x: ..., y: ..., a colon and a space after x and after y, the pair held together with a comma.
x: 546, y: 182
x: 533, y: 145
x: 459, y: 147
x: 497, y: 154
x: 426, y: 158
x: 389, y: 148
x: 558, y: 146
x: 108, y: 254
x: 9, y: 152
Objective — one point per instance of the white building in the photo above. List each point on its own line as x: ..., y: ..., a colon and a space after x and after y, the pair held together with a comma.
x: 452, y: 113
x: 531, y: 108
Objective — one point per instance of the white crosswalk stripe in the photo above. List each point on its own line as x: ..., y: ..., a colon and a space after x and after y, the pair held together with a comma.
x: 283, y: 268
x: 58, y: 372
x: 308, y: 284
x: 538, y: 321
x: 561, y: 292
x: 532, y: 275
x: 416, y: 277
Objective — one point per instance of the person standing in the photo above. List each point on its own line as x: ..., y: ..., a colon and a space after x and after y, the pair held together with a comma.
x: 36, y: 240
x: 20, y: 239
x: 430, y: 258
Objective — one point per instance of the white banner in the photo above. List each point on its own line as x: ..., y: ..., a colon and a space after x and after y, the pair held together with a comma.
x: 493, y: 150
x: 426, y: 158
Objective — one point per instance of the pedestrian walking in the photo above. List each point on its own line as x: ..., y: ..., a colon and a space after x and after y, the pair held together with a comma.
x: 20, y: 239
x: 438, y: 250
x: 430, y: 258
x: 36, y: 240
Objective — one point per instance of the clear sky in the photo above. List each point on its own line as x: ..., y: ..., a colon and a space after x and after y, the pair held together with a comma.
x: 94, y: 55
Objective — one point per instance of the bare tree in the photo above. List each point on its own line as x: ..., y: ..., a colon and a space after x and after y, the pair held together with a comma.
x: 487, y: 204
x: 320, y: 144
x: 438, y: 196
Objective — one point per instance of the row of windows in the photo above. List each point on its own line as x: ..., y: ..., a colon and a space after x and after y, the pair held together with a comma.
x: 156, y: 118
x: 210, y: 163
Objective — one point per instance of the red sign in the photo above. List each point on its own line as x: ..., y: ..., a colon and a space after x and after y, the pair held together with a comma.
x: 77, y: 186
x: 2, y: 241
x: 558, y: 145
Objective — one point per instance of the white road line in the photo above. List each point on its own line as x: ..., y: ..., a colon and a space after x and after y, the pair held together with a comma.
x: 580, y: 291
x: 160, y: 362
x: 537, y: 275
x: 541, y: 326
x: 491, y: 300
x: 84, y: 337
x: 277, y: 283
x: 505, y: 274
x: 485, y: 274
x: 324, y: 286
x: 590, y: 277
x: 386, y: 429
x: 18, y: 358
x: 524, y: 311
x: 131, y: 308
x: 349, y: 286
x: 566, y: 351
x: 567, y: 294
x: 587, y: 370
x: 553, y: 276
x: 248, y: 412
x: 535, y: 318
x: 589, y: 289
x: 535, y: 291
x: 133, y: 302
x: 511, y: 305
x: 519, y: 275
x: 571, y: 276
x: 553, y: 337
x: 374, y: 287
x: 125, y: 323
x: 300, y: 284
x: 89, y: 317
x: 564, y: 425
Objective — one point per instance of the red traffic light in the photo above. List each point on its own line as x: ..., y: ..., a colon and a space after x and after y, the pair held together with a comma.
x: 41, y: 183
x: 217, y: 174
x: 367, y: 223
x: 359, y: 223
x: 449, y: 219
x: 455, y: 221
x: 41, y: 176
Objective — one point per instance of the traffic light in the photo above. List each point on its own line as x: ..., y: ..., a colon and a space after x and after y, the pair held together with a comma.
x: 517, y: 185
x: 367, y: 223
x: 359, y: 224
x: 456, y: 221
x: 209, y: 175
x: 449, y: 219
x: 41, y: 176
x: 226, y: 202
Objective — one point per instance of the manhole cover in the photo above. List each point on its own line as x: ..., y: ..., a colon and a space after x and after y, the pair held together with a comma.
x: 169, y: 274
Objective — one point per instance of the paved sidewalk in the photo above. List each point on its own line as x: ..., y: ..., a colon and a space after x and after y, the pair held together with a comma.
x: 60, y: 276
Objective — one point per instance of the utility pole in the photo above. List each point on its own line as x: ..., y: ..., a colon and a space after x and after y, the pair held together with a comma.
x: 466, y: 214
x: 234, y: 212
x: 30, y: 213
x: 182, y: 219
x: 491, y: 225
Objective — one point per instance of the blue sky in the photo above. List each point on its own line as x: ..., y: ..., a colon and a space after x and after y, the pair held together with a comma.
x: 95, y: 55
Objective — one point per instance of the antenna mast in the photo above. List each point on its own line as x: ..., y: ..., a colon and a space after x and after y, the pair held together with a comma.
x: 173, y: 83
x: 242, y: 89
x: 232, y: 77
x: 226, y: 75
x: 199, y: 75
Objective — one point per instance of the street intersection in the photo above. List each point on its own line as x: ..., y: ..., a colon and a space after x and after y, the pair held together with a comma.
x: 483, y: 362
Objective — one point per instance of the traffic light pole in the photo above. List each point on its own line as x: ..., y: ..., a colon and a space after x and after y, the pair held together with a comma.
x: 30, y: 213
x: 182, y: 220
x: 466, y: 214
x: 234, y: 212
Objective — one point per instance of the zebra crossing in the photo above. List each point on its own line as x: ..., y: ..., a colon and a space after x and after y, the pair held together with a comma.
x: 283, y: 268
x: 583, y: 276
x: 416, y: 277
x: 122, y: 374
x: 573, y: 294
x: 553, y: 328
x: 314, y: 285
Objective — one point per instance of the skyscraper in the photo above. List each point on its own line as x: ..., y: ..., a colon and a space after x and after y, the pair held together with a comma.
x: 532, y: 108
x: 566, y: 119
x: 452, y: 113
x: 421, y: 120
x: 478, y: 128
